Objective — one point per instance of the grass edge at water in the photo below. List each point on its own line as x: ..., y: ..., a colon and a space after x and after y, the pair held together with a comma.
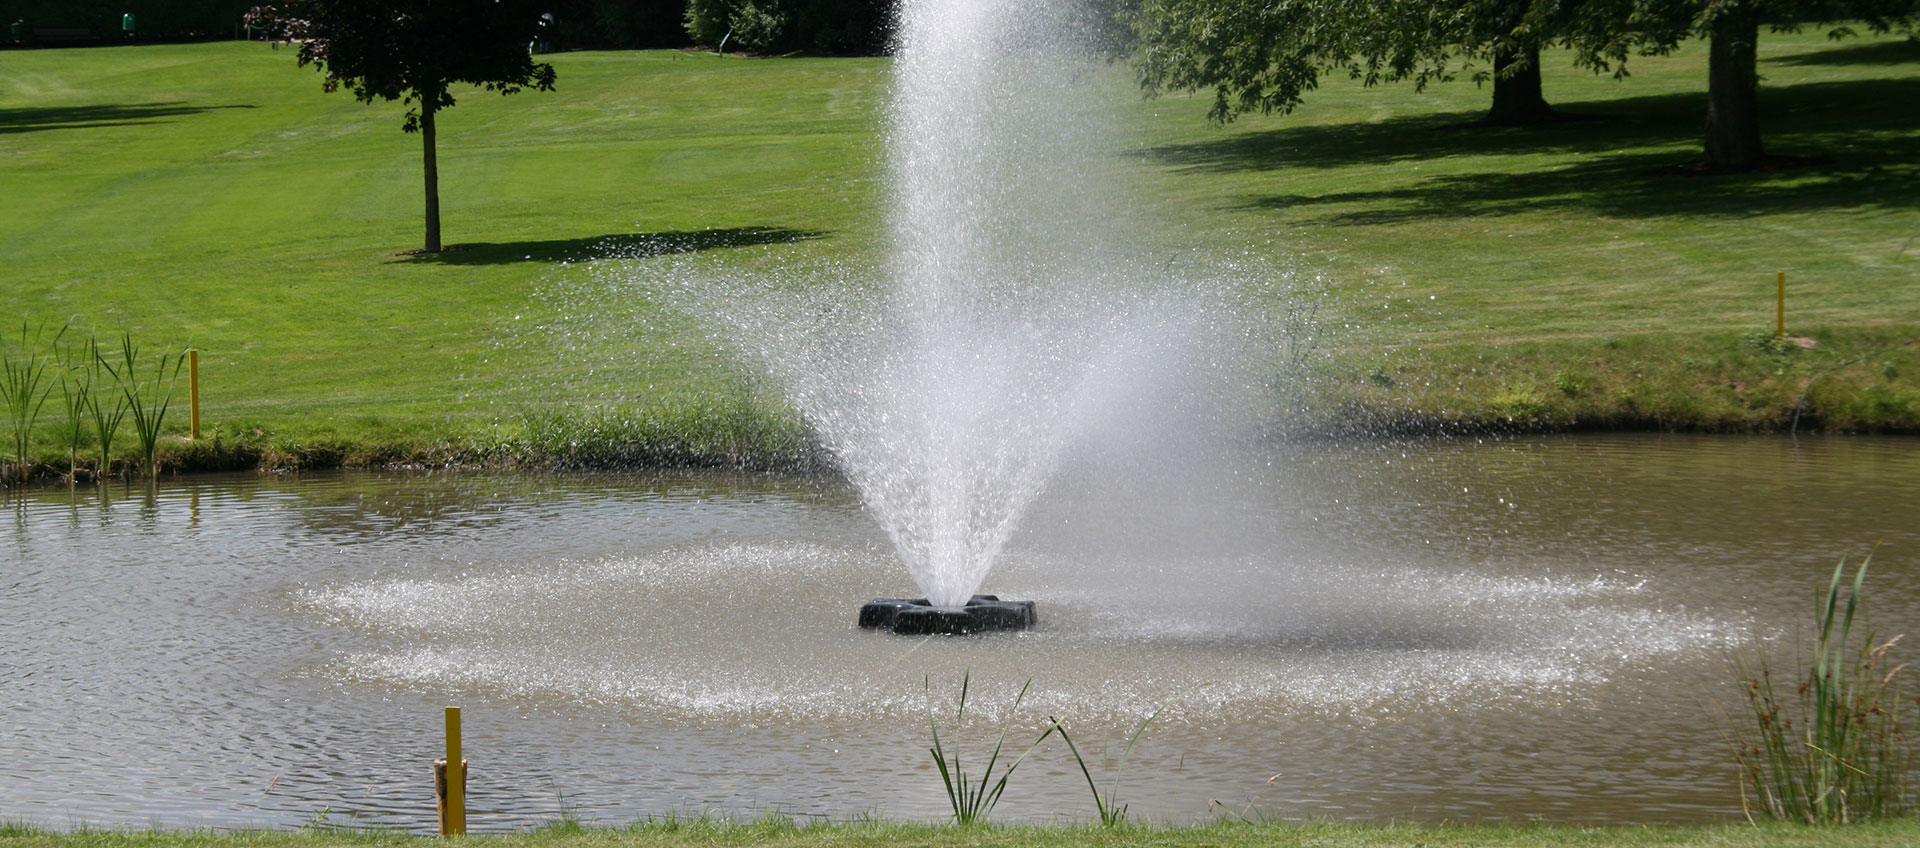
x: 704, y: 831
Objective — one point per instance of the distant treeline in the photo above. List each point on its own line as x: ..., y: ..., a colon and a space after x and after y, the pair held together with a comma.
x: 848, y: 27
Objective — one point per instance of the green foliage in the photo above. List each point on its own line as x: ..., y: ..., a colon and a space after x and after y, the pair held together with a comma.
x: 772, y: 26
x: 1266, y: 57
x: 709, y: 21
x: 415, y: 51
x: 1569, y: 382
x: 759, y: 26
x: 1520, y: 405
x: 1833, y: 751
x: 973, y: 799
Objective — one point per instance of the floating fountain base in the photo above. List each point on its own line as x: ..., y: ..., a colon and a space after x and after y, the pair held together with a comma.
x: 917, y: 617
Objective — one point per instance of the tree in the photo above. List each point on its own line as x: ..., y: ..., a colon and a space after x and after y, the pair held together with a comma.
x: 415, y: 51
x: 1732, y: 30
x: 772, y: 26
x: 1266, y: 56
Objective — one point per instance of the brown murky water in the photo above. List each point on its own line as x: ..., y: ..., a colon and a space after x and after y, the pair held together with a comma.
x: 1436, y: 630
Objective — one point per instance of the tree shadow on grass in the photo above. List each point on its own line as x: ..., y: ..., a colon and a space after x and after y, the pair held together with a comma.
x: 618, y: 246
x: 1881, y: 175
x: 1870, y: 159
x: 36, y: 119
x: 1787, y: 113
x: 1893, y: 52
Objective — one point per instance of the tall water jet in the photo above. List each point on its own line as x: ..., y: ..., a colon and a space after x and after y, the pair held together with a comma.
x: 1011, y: 316
x: 1001, y: 264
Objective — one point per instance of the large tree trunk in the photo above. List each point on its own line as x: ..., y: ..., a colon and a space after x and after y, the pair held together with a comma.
x: 433, y: 178
x: 1517, y: 100
x: 1733, y: 82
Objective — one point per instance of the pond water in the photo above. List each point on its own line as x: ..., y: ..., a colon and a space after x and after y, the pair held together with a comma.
x: 1433, y: 630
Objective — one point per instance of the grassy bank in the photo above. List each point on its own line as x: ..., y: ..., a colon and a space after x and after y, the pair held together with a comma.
x: 780, y: 833
x: 212, y: 195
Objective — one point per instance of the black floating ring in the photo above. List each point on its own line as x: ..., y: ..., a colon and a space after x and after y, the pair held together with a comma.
x: 918, y: 617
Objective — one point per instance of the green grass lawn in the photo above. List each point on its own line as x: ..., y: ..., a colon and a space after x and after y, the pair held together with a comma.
x: 783, y: 834
x: 212, y: 194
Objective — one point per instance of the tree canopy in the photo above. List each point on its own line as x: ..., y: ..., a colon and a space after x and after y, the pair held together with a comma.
x: 1267, y: 56
x: 415, y: 51
x: 1263, y: 55
x: 1605, y: 35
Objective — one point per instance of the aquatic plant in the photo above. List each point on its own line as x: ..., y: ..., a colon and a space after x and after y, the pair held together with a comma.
x: 76, y: 389
x: 24, y: 389
x: 147, y: 399
x: 104, y: 413
x: 1113, y: 813
x: 1840, y: 756
x: 971, y: 800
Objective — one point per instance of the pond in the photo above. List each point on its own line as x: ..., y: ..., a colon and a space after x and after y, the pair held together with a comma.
x: 1427, y: 630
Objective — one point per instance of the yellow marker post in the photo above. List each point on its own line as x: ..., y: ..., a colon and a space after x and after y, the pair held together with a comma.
x: 452, y: 782
x: 1780, y: 307
x: 193, y: 394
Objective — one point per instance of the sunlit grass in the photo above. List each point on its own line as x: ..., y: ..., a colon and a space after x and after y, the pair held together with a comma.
x: 212, y: 192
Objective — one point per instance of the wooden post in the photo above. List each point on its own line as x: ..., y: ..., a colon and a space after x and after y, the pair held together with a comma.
x: 1780, y: 306
x: 440, y: 796
x: 193, y: 394
x: 450, y: 781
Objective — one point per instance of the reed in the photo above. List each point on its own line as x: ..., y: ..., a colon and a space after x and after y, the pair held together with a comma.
x: 1113, y: 813
x: 1833, y: 750
x: 24, y: 389
x: 147, y: 399
x: 973, y: 799
x: 105, y: 408
x: 76, y: 390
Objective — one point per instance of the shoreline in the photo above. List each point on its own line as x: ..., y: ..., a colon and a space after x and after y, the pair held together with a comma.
x: 772, y: 830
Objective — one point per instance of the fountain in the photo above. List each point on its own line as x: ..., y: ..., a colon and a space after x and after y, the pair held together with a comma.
x: 1013, y: 320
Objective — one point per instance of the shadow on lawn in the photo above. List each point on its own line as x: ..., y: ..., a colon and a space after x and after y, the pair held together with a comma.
x: 1611, y: 167
x: 1878, y: 53
x: 620, y: 246
x: 103, y: 115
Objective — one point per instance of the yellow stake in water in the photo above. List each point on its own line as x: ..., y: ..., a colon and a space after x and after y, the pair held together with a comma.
x: 456, y: 823
x: 1780, y: 307
x: 193, y: 394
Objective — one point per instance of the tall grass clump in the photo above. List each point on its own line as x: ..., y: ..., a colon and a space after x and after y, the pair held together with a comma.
x: 146, y: 399
x: 972, y: 799
x: 1831, y: 750
x: 1112, y: 812
x: 76, y: 394
x: 24, y: 388
x: 104, y: 409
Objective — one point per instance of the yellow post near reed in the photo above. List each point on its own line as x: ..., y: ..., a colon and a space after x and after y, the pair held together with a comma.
x: 1780, y: 307
x: 193, y: 394
x: 450, y: 781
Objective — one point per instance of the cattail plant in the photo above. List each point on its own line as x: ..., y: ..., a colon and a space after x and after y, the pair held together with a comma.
x: 1833, y: 749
